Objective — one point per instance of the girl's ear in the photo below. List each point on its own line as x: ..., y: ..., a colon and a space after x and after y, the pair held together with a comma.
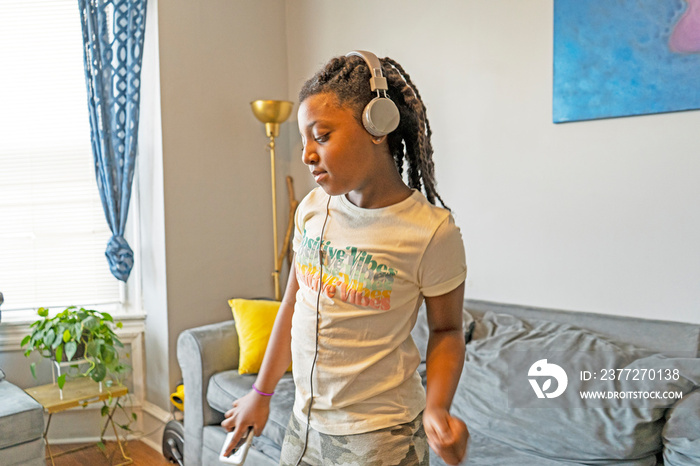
x: 378, y: 139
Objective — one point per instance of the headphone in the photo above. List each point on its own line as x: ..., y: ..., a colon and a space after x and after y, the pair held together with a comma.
x: 380, y: 117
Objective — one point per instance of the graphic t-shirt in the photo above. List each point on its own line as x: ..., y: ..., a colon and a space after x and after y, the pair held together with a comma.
x: 378, y: 264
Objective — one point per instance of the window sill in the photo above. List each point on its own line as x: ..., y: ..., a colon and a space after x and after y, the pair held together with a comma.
x: 12, y: 331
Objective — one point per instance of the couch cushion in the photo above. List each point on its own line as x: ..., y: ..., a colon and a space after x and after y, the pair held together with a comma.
x: 496, y: 399
x: 262, y: 452
x: 21, y: 416
x: 25, y: 454
x: 660, y: 336
x: 484, y: 451
x: 225, y: 387
x: 682, y: 432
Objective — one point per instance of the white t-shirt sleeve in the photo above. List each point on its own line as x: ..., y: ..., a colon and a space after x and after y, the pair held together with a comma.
x: 443, y: 266
x: 299, y: 219
x: 298, y: 228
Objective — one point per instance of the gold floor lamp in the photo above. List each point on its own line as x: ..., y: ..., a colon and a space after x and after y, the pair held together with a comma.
x: 273, y: 113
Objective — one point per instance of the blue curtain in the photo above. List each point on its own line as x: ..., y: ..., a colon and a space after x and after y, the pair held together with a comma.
x: 113, y: 33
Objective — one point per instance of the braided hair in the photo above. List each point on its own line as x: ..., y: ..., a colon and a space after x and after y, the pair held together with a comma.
x: 348, y: 78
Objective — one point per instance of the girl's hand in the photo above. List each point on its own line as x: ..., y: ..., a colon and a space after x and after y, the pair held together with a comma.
x: 447, y: 435
x: 251, y: 410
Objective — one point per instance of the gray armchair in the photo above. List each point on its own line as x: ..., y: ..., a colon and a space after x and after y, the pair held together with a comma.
x: 21, y: 425
x: 208, y: 357
x: 203, y: 352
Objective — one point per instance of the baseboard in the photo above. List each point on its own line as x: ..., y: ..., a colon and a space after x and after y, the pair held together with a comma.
x: 156, y: 412
x: 154, y: 419
x: 157, y: 446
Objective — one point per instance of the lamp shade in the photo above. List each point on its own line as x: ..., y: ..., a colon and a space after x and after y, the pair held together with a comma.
x: 272, y: 113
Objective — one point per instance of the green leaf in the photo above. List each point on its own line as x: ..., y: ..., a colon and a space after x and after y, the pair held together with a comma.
x: 98, y: 373
x: 25, y: 340
x: 109, y: 354
x: 107, y: 317
x: 59, y: 353
x: 91, y: 323
x: 66, y: 336
x: 134, y: 416
x: 49, y: 337
x: 32, y: 366
x: 36, y: 336
x: 61, y: 381
x: 105, y: 410
x: 120, y: 325
x: 57, y: 341
x: 93, y: 348
x: 27, y: 353
x: 71, y: 348
x: 102, y: 447
x: 43, y: 312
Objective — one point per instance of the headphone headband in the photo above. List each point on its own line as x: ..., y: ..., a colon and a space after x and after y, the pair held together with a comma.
x: 377, y: 80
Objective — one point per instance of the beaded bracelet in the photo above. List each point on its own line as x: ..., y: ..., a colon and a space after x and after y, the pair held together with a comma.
x: 262, y: 393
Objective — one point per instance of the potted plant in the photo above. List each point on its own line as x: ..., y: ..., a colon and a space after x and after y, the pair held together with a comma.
x: 78, y: 334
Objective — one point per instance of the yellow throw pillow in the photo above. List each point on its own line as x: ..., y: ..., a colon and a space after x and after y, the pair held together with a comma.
x: 254, y: 320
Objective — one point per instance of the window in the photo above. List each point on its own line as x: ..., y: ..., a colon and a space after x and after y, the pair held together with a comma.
x: 53, y: 231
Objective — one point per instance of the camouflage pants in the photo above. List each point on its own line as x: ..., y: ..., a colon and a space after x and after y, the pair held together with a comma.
x: 402, y: 445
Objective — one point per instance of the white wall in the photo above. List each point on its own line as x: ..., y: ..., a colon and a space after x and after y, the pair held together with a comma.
x: 596, y: 216
x: 207, y: 232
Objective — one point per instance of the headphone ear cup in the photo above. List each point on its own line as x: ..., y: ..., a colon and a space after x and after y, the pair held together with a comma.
x: 380, y: 116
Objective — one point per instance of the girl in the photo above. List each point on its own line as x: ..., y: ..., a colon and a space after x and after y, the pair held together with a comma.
x: 368, y: 250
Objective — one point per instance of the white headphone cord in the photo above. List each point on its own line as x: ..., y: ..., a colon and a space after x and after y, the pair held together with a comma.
x: 318, y: 314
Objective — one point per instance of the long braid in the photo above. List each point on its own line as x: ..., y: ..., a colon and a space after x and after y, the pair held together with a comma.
x: 348, y: 79
x: 423, y: 154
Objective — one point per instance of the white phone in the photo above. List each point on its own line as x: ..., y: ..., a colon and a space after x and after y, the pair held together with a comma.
x: 238, y: 455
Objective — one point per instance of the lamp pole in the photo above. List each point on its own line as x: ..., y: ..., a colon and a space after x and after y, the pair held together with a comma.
x: 276, y: 272
x: 273, y: 113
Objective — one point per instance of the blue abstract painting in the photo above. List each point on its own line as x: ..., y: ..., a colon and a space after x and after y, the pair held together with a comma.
x: 617, y: 58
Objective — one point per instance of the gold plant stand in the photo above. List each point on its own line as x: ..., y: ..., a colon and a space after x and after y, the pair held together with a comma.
x: 79, y: 392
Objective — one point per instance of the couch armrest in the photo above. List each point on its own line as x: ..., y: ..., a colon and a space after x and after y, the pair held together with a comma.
x: 201, y: 353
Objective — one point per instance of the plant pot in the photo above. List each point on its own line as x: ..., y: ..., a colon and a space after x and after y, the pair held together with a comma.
x: 79, y: 353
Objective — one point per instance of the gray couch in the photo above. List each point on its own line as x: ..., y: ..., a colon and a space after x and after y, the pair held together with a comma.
x: 509, y: 425
x: 21, y: 427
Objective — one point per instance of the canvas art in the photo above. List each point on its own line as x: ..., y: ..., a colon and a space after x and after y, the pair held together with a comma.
x: 617, y: 58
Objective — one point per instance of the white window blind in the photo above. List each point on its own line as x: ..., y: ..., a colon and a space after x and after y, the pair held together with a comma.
x: 53, y: 231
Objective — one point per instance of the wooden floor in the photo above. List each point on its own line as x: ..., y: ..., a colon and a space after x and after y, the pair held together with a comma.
x: 142, y: 454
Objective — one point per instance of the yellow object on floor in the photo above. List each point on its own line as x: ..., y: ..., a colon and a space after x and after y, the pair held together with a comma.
x: 178, y: 398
